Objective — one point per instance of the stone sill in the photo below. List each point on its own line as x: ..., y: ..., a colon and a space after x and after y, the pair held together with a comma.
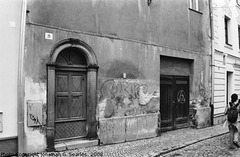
x: 228, y: 46
x: 135, y: 116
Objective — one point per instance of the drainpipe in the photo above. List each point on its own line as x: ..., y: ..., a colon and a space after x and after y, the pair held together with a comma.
x: 212, y: 60
x: 20, y: 83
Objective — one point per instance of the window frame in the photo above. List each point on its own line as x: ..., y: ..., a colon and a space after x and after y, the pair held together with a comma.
x: 227, y: 30
x: 194, y: 5
x: 238, y: 36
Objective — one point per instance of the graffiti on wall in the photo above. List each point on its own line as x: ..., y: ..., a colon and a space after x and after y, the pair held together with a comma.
x: 113, y: 88
x: 34, y: 119
x: 34, y: 113
x: 123, y: 97
x: 181, y: 96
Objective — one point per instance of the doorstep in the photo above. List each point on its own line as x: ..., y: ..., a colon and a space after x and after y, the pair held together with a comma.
x: 74, y: 144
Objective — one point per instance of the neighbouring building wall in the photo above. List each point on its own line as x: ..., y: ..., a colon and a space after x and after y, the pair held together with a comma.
x: 10, y: 15
x: 226, y: 56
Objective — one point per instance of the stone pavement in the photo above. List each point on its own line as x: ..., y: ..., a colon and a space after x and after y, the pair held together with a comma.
x: 212, y: 147
x: 237, y: 153
x: 166, y: 143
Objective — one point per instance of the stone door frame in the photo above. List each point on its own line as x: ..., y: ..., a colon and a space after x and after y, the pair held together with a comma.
x: 92, y: 69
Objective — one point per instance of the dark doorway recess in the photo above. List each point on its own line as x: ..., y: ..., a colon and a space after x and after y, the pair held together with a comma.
x: 174, y: 102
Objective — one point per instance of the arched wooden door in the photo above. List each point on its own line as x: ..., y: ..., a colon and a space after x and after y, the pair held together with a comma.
x: 70, y: 95
x: 71, y: 92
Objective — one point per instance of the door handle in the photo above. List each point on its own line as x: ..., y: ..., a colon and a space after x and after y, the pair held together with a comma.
x: 173, y: 102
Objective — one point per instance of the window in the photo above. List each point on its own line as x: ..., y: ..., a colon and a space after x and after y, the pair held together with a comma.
x: 194, y: 4
x: 239, y: 36
x: 227, y: 30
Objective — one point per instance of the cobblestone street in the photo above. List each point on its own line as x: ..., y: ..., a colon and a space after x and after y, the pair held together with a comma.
x: 210, y: 141
x: 214, y: 147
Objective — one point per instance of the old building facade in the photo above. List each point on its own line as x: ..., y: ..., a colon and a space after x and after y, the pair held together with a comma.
x: 226, y: 55
x: 111, y: 71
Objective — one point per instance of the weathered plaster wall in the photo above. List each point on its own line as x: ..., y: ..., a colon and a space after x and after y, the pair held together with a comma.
x: 115, y: 57
x: 203, y: 117
x: 35, y: 136
x: 128, y: 109
x: 140, y: 62
x: 127, y: 37
x: 129, y: 128
x: 194, y: 65
x: 132, y: 19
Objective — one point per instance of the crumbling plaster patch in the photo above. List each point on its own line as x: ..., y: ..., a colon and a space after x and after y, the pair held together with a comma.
x: 35, y: 136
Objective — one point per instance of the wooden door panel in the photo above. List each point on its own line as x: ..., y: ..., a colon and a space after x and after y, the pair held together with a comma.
x: 70, y: 106
x: 182, y: 102
x: 61, y: 97
x: 78, y: 96
x: 174, y: 102
x: 77, y: 107
x: 62, y: 83
x: 166, y: 104
x: 61, y: 111
x: 181, y: 125
x: 76, y: 83
x: 166, y: 108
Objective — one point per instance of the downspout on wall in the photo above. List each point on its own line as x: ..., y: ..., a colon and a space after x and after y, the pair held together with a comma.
x: 20, y: 83
x: 212, y: 60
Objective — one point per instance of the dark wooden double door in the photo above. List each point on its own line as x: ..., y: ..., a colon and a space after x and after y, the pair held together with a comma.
x: 70, y: 105
x: 174, y: 102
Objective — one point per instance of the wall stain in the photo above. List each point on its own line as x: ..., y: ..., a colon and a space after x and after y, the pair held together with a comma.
x: 117, y: 68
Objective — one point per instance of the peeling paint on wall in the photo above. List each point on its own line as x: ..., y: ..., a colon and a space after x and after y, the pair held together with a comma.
x: 205, y: 93
x: 35, y: 136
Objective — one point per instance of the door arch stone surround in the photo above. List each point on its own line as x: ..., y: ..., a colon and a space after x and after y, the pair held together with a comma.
x: 92, y: 69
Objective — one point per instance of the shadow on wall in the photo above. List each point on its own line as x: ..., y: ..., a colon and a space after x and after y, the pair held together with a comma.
x: 117, y: 68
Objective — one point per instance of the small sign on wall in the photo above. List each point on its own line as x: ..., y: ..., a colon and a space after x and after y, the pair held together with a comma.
x: 34, y: 113
x: 49, y: 36
x: 1, y: 121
